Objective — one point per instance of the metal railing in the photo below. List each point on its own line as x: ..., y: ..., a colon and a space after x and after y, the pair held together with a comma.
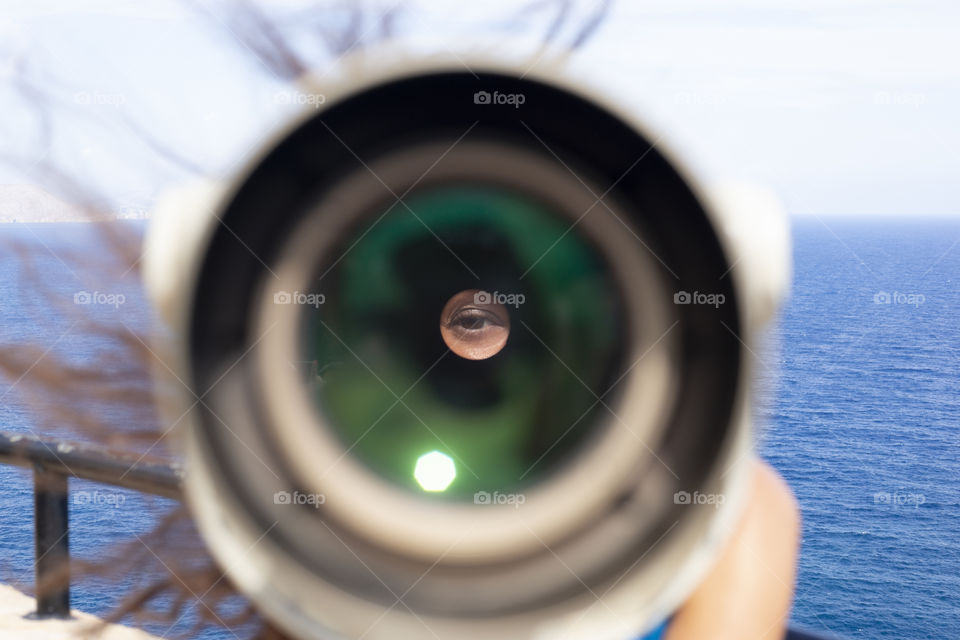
x: 54, y: 461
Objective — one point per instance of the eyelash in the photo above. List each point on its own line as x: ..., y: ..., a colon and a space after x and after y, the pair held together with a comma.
x: 468, y: 319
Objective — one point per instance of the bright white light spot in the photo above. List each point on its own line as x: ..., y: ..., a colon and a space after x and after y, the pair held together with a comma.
x: 435, y: 471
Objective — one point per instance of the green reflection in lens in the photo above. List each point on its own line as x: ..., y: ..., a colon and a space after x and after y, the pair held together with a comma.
x: 386, y: 382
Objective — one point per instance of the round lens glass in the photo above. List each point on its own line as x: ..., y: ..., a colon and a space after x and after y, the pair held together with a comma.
x: 462, y: 340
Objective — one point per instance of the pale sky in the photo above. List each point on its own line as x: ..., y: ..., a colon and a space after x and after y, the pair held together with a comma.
x: 848, y: 108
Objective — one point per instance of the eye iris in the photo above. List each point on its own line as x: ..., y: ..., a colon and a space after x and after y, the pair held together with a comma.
x: 473, y: 319
x: 471, y: 323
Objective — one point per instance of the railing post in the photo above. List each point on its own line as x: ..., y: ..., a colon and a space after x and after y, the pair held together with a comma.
x: 51, y: 542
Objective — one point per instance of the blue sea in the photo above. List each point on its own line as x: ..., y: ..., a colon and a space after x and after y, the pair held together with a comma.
x: 863, y: 419
x: 857, y: 395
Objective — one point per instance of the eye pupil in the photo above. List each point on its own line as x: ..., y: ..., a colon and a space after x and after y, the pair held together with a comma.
x: 473, y: 319
x: 471, y: 323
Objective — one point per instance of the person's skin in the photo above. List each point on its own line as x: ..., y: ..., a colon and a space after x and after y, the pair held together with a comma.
x: 748, y: 593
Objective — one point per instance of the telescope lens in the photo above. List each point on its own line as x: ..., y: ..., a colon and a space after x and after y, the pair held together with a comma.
x: 463, y: 341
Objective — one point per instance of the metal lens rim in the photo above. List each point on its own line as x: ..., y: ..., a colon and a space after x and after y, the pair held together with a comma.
x: 421, y: 527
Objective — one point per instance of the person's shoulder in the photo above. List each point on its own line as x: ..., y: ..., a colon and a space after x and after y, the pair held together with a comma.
x: 774, y: 503
x: 748, y: 593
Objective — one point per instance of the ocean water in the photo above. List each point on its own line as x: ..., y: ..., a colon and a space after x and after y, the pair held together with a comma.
x: 42, y: 268
x: 857, y: 392
x: 863, y: 420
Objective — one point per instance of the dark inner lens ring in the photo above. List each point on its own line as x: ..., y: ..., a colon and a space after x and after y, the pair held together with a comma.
x: 425, y: 418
